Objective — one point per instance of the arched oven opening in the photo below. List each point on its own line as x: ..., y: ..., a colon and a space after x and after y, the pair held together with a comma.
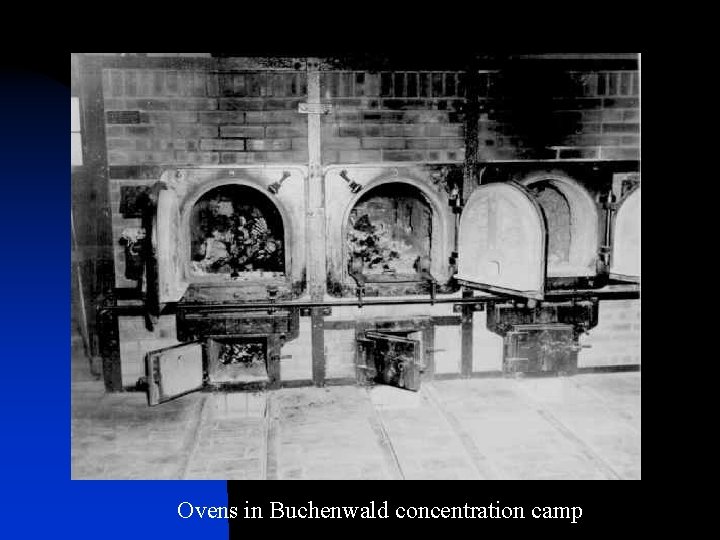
x: 389, y: 234
x: 236, y: 232
x: 571, y: 218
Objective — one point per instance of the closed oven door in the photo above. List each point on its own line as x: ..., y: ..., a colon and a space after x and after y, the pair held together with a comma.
x: 502, y: 241
x: 625, y: 258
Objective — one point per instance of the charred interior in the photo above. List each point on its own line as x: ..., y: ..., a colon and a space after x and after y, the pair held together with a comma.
x: 390, y: 232
x: 236, y: 229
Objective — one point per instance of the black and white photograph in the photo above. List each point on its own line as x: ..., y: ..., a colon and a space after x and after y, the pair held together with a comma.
x: 355, y: 267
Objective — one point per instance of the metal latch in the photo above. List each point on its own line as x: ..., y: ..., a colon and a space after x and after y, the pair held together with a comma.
x: 272, y: 293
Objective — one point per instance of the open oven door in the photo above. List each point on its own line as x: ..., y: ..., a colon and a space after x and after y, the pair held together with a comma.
x: 501, y: 243
x: 173, y: 372
x: 165, y: 276
x: 386, y: 358
x: 625, y: 262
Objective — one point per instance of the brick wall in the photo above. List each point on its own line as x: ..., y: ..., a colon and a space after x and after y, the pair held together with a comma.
x: 393, y: 116
x: 559, y: 115
x: 203, y: 117
x: 616, y: 338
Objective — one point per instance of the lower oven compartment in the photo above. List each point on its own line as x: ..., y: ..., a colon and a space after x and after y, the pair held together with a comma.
x: 392, y: 354
x: 540, y: 349
x: 237, y: 360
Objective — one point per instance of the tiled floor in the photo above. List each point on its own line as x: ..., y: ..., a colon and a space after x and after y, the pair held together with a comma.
x: 586, y: 426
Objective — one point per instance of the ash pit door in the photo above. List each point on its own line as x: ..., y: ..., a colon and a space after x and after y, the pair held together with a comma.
x: 625, y: 263
x: 540, y: 349
x: 165, y: 282
x: 389, y: 359
x: 502, y: 240
x: 173, y: 372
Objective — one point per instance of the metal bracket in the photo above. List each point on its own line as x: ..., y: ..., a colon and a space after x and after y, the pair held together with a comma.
x: 354, y: 186
x: 458, y: 308
x: 306, y: 311
x: 314, y: 108
x: 272, y: 298
x: 275, y: 186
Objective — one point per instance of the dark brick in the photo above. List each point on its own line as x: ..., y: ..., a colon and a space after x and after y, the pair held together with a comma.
x: 630, y: 141
x: 272, y: 117
x: 186, y: 117
x: 578, y: 153
x: 241, y: 104
x: 593, y: 140
x: 349, y: 131
x: 221, y: 117
x: 404, y: 104
x: 195, y: 130
x: 123, y: 117
x: 256, y: 132
x: 401, y: 155
x: 135, y: 172
x: 343, y: 116
x: 432, y: 130
x: 222, y: 144
x: 237, y: 157
x: 367, y: 130
x: 283, y: 104
x: 285, y: 131
x: 426, y: 117
x: 588, y: 128
x: 139, y: 130
x: 621, y: 128
x: 623, y: 103
x: 388, y: 143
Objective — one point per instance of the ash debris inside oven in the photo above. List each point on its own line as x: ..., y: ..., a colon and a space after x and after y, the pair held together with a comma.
x: 389, y: 231
x: 236, y: 230
x: 242, y: 354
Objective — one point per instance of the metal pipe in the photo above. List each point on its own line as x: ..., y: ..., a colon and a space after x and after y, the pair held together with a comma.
x: 550, y: 296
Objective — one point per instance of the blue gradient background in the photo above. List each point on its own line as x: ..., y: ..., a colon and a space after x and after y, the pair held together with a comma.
x: 38, y: 497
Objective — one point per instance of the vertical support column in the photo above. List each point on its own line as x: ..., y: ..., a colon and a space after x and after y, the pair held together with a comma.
x: 472, y: 119
x: 317, y: 281
x: 466, y: 344
x: 91, y: 206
